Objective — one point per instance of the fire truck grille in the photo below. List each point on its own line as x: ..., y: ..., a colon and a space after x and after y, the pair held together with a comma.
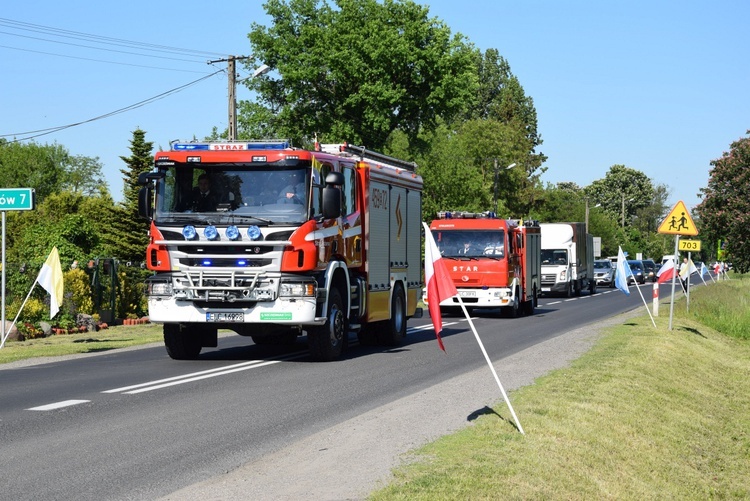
x: 206, y: 284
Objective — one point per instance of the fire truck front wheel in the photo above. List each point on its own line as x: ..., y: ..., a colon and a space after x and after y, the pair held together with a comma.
x: 181, y: 344
x: 395, y: 329
x: 326, y: 343
x: 514, y: 309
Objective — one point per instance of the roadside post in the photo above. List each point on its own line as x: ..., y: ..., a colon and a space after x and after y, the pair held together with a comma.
x: 678, y: 222
x: 11, y: 199
x: 655, y: 297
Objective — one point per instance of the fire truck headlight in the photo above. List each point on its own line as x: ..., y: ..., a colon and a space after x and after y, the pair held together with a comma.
x: 254, y: 232
x: 233, y: 233
x: 189, y: 232
x: 211, y: 233
x: 160, y: 289
x: 297, y: 289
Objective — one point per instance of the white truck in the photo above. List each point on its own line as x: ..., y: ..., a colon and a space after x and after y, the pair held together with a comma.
x: 567, y: 259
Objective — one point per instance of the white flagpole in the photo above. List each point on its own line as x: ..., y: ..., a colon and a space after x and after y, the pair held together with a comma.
x: 5, y: 336
x: 644, y: 304
x: 489, y: 362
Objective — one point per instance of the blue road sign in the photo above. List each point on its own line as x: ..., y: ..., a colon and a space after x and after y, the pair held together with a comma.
x: 17, y: 199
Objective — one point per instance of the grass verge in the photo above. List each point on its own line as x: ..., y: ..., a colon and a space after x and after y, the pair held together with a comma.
x: 121, y: 336
x: 645, y: 414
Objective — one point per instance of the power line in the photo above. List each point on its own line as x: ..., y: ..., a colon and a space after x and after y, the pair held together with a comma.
x: 43, y: 132
x: 100, y: 60
x: 96, y: 48
x: 63, y: 33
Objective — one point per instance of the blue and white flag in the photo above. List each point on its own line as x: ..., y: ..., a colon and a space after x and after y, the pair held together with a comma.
x: 703, y: 270
x: 623, y: 272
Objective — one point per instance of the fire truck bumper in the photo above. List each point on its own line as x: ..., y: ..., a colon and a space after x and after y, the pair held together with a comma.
x: 481, y: 298
x: 283, y: 311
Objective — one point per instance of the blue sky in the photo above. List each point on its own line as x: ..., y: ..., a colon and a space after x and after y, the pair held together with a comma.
x: 659, y: 86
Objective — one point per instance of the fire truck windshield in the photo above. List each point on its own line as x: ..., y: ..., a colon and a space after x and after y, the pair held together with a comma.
x: 470, y: 243
x: 224, y: 192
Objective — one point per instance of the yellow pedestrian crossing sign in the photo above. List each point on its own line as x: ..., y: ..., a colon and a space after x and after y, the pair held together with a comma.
x: 678, y: 222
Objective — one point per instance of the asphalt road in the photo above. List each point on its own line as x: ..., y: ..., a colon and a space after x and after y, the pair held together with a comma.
x: 246, y: 419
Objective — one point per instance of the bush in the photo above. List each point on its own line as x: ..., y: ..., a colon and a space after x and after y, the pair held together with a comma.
x: 34, y: 311
x: 77, y: 283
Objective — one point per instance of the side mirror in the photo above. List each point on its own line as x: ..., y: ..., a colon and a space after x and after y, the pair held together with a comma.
x: 144, y: 202
x: 331, y: 202
x: 332, y: 195
x: 335, y: 179
x: 146, y: 177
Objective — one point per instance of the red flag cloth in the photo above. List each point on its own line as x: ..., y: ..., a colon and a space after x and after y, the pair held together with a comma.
x: 666, y: 272
x: 439, y: 284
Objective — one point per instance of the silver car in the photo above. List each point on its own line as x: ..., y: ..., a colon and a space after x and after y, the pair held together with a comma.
x: 604, y: 272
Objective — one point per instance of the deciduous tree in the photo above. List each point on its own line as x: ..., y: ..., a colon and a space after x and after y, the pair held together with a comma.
x: 725, y: 210
x: 359, y: 69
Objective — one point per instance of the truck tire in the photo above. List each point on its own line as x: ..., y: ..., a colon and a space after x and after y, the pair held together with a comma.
x: 513, y: 310
x: 395, y: 329
x: 570, y: 289
x: 592, y: 287
x: 530, y: 304
x: 181, y: 344
x: 326, y: 342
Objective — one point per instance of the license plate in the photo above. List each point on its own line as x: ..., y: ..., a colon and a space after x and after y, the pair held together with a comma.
x: 467, y: 293
x: 545, y: 289
x: 225, y: 317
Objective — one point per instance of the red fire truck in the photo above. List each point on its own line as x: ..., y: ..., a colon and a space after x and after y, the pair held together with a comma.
x: 494, y: 263
x: 284, y: 240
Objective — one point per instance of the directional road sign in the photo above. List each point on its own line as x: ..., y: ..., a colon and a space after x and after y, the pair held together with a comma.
x: 17, y: 199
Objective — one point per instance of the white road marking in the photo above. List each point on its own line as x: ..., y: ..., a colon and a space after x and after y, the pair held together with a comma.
x: 58, y: 405
x: 197, y: 376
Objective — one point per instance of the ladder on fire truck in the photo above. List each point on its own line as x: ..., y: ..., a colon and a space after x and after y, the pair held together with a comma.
x: 367, y: 155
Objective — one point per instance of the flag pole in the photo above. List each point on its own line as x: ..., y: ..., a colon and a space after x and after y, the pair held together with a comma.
x: 687, y: 281
x: 645, y: 304
x: 5, y: 335
x: 489, y: 362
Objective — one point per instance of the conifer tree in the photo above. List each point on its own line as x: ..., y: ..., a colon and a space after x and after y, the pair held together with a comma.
x: 129, y: 229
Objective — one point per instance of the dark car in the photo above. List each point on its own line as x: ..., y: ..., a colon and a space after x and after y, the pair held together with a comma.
x: 650, y: 269
x: 637, y: 270
x: 604, y: 272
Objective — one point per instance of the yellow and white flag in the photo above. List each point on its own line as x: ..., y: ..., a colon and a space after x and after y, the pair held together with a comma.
x: 51, y: 278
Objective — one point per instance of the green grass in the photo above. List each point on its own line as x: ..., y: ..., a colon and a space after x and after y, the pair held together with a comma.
x: 645, y: 414
x: 121, y: 336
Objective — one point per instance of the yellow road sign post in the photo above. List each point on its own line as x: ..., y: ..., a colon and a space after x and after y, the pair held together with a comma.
x: 678, y: 222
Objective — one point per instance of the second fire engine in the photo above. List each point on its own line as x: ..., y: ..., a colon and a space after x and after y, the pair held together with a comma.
x: 494, y: 263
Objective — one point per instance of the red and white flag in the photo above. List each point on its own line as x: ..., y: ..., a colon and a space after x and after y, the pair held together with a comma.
x: 439, y: 284
x: 666, y: 272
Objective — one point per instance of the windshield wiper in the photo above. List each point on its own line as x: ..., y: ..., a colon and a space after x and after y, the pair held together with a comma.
x: 248, y: 216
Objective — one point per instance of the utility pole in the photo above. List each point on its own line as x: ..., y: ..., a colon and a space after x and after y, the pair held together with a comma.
x: 232, y: 74
x: 232, y: 122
